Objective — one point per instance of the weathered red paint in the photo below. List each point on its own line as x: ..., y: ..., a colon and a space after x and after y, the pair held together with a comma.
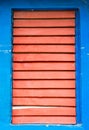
x: 44, y: 67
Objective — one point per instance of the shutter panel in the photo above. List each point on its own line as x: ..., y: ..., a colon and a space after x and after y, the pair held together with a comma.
x: 44, y: 67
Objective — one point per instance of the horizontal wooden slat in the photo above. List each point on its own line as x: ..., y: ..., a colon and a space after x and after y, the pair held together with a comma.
x: 44, y: 84
x: 44, y: 70
x: 43, y: 93
x: 48, y: 120
x: 46, y: 23
x: 44, y: 66
x: 44, y: 48
x: 43, y: 57
x: 44, y: 14
x: 44, y: 75
x: 43, y: 31
x: 44, y: 111
x: 44, y: 40
x: 44, y: 101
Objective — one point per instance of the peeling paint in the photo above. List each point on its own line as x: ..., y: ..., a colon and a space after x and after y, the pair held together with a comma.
x: 27, y: 107
x: 87, y: 54
x: 79, y: 125
x: 5, y: 51
x: 47, y: 125
x: 82, y: 48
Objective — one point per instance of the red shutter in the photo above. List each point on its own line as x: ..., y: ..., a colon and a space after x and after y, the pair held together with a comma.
x: 44, y: 67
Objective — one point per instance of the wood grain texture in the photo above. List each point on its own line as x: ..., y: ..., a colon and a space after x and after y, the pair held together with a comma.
x: 43, y: 83
x: 43, y: 92
x: 44, y: 75
x: 44, y: 111
x: 44, y: 40
x: 43, y: 31
x: 43, y: 57
x: 44, y: 120
x: 46, y: 23
x: 44, y: 102
x: 44, y: 66
x: 44, y: 48
x: 44, y: 14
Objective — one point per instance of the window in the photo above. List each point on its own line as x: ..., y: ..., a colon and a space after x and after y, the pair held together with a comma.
x: 82, y: 61
x: 44, y: 67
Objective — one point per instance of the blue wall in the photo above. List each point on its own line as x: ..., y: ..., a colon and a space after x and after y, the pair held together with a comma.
x: 6, y: 8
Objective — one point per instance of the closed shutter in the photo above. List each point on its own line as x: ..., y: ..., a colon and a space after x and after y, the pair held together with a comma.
x: 44, y: 67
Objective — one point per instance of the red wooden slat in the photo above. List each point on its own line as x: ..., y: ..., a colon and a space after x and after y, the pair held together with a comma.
x: 43, y: 31
x: 48, y: 120
x: 44, y: 75
x: 44, y: 14
x: 46, y: 23
x: 44, y: 66
x: 44, y: 111
x: 44, y: 101
x: 44, y: 40
x: 43, y: 57
x: 58, y: 104
x: 44, y: 48
x: 43, y: 93
x: 44, y: 84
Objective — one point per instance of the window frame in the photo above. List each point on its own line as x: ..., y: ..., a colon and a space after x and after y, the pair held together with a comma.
x: 6, y: 10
